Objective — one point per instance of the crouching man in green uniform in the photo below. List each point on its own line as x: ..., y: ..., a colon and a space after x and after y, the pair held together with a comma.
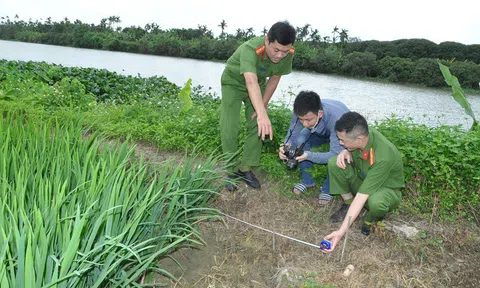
x: 245, y: 80
x: 369, y: 171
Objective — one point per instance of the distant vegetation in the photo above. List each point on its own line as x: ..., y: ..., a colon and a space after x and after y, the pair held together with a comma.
x: 403, y: 61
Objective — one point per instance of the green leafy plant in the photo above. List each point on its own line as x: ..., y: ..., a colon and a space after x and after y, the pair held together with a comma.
x: 184, y: 96
x: 457, y: 92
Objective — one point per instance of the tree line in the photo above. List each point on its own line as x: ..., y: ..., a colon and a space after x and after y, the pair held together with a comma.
x: 404, y: 60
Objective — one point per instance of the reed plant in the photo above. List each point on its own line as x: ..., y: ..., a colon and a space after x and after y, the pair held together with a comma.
x: 76, y: 211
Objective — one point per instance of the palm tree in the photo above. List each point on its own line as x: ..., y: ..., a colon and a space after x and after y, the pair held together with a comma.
x: 315, y: 37
x: 343, y: 36
x: 240, y: 34
x: 264, y: 31
x: 155, y: 27
x: 334, y: 36
x: 326, y: 39
x: 112, y: 21
x: 222, y: 26
x: 249, y: 33
x: 103, y: 23
x: 303, y: 32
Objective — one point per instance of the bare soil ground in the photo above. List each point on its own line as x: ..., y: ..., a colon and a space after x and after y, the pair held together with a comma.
x: 237, y: 255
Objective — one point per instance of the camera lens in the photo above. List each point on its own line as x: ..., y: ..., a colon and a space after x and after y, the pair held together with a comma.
x: 291, y: 163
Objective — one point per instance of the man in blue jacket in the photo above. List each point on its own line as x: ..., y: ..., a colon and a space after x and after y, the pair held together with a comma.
x: 313, y: 124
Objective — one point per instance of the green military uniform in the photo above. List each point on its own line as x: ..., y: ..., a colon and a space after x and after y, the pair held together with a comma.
x: 376, y: 171
x: 249, y: 57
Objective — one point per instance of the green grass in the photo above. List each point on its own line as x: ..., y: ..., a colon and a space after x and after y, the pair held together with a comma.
x: 440, y: 163
x: 76, y: 211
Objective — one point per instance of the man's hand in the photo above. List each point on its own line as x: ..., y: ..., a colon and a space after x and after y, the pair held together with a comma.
x: 334, y: 238
x: 344, y: 155
x: 255, y: 95
x: 264, y: 127
x: 281, y: 153
x: 302, y: 157
x: 255, y: 113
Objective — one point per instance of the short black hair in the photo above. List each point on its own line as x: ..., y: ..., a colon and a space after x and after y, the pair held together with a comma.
x: 307, y: 101
x: 282, y: 32
x: 353, y: 124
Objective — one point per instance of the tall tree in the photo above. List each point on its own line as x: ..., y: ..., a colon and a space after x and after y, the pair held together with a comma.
x: 334, y: 34
x: 222, y: 26
x: 302, y: 32
x: 249, y: 33
x: 112, y: 21
x: 343, y: 36
x: 315, y: 37
x: 264, y: 31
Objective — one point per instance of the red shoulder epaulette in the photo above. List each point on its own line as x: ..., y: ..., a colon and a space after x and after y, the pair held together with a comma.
x: 292, y: 50
x: 260, y: 49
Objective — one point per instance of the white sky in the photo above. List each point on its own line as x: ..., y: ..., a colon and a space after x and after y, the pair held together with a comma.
x: 438, y: 21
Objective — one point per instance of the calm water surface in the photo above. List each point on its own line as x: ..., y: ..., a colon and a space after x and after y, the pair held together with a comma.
x: 376, y: 101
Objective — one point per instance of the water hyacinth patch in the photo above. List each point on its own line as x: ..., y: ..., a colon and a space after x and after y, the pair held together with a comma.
x: 77, y: 212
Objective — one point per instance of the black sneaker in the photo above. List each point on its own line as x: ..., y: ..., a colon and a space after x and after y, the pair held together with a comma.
x: 366, y: 227
x: 249, y: 178
x: 231, y: 186
x: 340, y: 214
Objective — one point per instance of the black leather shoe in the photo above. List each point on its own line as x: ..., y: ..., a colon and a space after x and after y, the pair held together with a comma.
x: 231, y: 186
x: 340, y: 214
x: 249, y: 178
x: 366, y: 226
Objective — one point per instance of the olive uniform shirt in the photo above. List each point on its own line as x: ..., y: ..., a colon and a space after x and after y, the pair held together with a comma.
x: 379, y: 165
x: 252, y: 57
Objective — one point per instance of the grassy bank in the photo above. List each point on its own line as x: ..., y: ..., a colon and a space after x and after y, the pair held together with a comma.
x: 440, y: 163
x: 106, y: 215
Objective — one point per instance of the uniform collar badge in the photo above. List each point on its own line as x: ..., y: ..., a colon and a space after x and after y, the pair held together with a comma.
x: 365, y: 155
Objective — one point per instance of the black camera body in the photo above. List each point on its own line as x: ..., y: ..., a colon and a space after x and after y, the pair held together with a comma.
x: 292, y: 152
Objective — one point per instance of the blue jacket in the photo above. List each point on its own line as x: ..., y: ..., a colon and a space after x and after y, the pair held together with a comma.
x: 332, y: 111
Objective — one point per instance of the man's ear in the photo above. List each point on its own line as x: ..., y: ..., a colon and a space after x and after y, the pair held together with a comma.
x: 320, y: 113
x: 361, y: 137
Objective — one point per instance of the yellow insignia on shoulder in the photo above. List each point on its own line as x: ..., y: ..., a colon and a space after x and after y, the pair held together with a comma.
x: 260, y: 49
x: 292, y: 50
x: 372, y: 156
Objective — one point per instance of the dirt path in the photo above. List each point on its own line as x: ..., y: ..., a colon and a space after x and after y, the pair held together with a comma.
x: 237, y: 255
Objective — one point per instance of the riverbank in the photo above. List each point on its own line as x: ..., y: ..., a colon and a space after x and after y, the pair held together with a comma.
x: 238, y: 255
x: 440, y: 189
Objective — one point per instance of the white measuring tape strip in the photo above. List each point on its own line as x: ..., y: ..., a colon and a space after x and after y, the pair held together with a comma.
x: 275, y: 233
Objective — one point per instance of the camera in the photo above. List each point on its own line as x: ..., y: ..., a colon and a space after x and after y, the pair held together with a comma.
x: 292, y: 152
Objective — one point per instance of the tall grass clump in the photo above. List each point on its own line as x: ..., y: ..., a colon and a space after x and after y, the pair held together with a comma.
x: 77, y: 212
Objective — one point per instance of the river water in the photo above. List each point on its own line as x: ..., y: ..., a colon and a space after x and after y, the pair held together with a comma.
x: 376, y: 101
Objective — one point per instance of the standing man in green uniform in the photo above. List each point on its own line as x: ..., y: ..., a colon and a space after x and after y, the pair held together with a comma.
x: 245, y: 80
x: 369, y: 171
